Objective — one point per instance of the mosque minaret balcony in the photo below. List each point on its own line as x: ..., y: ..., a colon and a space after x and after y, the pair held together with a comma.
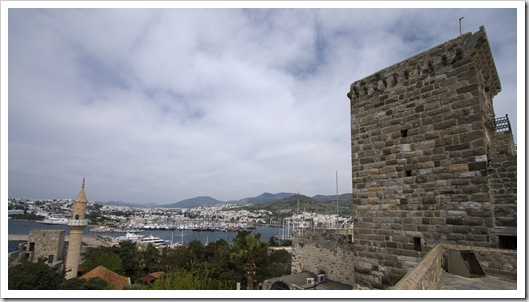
x: 78, y: 222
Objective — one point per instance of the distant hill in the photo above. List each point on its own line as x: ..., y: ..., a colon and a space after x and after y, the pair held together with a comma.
x: 194, y: 202
x: 264, y: 198
x: 346, y: 196
x: 126, y: 204
x: 289, y: 206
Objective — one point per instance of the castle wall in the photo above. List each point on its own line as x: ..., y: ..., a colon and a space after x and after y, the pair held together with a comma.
x: 422, y: 150
x: 503, y: 183
x: 328, y: 252
x: 45, y: 243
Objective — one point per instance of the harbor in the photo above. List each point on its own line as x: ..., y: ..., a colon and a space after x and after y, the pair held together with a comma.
x: 18, y: 231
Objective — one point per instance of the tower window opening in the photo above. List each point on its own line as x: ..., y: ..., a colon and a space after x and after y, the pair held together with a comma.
x: 507, y: 242
x: 76, y: 216
x: 417, y: 243
x: 408, y: 173
x: 404, y: 133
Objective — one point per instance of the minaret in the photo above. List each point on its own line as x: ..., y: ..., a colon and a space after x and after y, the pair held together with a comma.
x: 76, y: 224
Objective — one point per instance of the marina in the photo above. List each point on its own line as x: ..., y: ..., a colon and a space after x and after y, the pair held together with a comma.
x: 180, y: 236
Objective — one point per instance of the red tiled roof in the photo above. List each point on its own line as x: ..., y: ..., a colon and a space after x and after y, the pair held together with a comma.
x: 151, y: 277
x: 118, y: 281
x: 157, y: 274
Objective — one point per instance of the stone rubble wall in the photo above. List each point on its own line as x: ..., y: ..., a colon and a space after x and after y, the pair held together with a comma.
x: 324, y: 251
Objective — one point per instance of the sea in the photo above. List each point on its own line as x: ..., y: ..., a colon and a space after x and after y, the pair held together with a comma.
x: 184, y: 236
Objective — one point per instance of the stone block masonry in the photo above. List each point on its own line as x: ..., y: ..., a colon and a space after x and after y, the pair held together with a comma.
x: 45, y: 244
x: 503, y: 184
x: 427, y: 167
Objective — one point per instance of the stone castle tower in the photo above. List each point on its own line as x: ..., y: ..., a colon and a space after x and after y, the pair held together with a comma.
x: 430, y: 161
x: 76, y: 224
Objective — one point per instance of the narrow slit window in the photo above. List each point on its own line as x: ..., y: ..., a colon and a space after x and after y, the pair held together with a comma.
x: 507, y: 242
x: 417, y: 243
x: 404, y: 133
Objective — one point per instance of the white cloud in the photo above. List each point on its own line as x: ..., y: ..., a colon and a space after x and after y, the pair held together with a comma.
x: 160, y: 105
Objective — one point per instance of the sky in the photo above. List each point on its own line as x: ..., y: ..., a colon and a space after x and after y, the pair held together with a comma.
x: 161, y: 105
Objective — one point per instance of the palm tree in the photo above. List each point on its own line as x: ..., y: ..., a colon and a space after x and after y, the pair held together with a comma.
x: 247, y: 250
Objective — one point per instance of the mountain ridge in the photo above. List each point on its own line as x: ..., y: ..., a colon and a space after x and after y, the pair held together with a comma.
x: 198, y: 201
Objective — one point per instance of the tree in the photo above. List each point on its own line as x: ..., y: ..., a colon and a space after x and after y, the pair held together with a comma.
x: 83, y: 284
x: 130, y: 257
x: 248, y: 249
x: 219, y: 265
x: 185, y: 280
x: 151, y: 259
x: 197, y: 250
x: 278, y: 264
x: 172, y: 259
x: 33, y: 275
x: 107, y: 258
x: 123, y: 258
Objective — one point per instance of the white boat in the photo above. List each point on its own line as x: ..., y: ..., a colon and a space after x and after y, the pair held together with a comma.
x: 130, y: 237
x: 154, y: 240
x: 55, y: 220
x: 175, y: 245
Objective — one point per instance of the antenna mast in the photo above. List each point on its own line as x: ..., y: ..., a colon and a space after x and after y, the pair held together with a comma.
x: 460, y: 32
x: 337, y: 199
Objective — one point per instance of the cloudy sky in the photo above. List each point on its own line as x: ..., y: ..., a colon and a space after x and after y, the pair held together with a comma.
x: 160, y: 105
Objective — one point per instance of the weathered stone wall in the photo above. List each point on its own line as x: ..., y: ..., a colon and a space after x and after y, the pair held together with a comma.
x: 426, y: 274
x: 46, y: 243
x: 324, y: 251
x: 503, y: 183
x: 492, y: 260
x: 421, y: 142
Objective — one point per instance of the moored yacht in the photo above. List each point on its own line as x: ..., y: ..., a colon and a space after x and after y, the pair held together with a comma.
x: 154, y: 240
x: 130, y: 237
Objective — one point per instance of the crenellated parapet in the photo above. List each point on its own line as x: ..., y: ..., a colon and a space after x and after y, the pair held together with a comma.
x: 432, y: 65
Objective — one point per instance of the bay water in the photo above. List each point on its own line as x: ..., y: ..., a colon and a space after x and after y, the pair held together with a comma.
x: 177, y: 236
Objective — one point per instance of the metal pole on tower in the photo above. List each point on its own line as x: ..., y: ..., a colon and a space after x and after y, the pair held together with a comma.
x: 336, y: 199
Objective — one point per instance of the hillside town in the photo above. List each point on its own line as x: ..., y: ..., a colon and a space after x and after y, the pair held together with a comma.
x: 225, y: 217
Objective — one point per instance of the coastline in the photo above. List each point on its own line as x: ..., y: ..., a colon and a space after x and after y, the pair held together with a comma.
x: 23, y: 227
